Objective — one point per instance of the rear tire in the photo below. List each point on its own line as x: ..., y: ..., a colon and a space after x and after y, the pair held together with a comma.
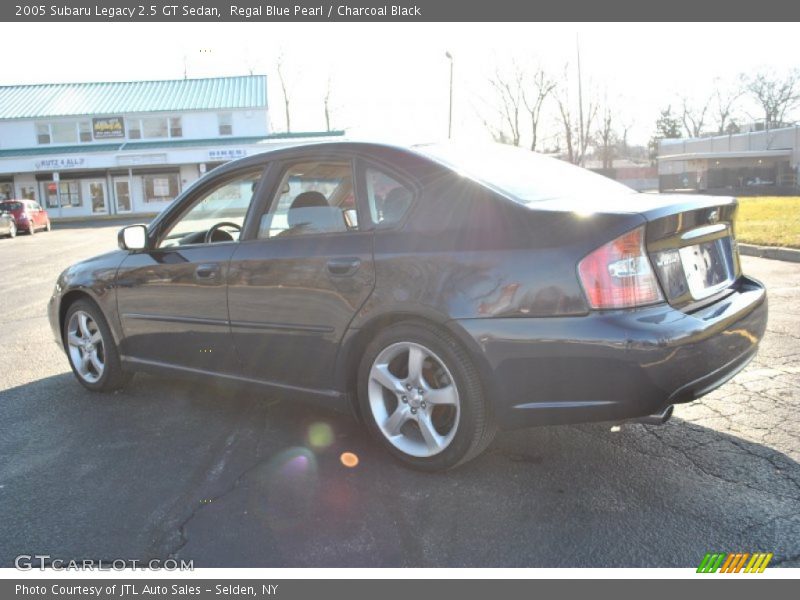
x: 91, y: 350
x: 31, y: 228
x: 421, y: 397
x: 48, y: 227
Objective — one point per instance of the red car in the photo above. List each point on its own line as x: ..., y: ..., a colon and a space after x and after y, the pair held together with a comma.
x: 28, y: 215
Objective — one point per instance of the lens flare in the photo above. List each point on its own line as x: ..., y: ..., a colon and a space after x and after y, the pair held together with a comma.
x: 320, y: 435
x: 349, y: 460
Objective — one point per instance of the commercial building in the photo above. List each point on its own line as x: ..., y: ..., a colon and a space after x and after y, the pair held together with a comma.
x: 756, y: 162
x: 118, y: 148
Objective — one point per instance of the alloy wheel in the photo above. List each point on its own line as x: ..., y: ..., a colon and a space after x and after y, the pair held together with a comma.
x: 414, y: 399
x: 85, y: 346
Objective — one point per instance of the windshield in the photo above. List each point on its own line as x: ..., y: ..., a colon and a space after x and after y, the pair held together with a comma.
x: 524, y: 175
x: 9, y: 206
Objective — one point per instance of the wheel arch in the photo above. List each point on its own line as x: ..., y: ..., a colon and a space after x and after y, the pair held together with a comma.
x: 356, y: 341
x: 71, y: 297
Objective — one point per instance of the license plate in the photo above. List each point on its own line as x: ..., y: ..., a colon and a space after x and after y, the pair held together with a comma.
x: 708, y: 267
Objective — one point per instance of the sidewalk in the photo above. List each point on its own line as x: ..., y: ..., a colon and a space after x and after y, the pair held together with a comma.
x: 100, y: 221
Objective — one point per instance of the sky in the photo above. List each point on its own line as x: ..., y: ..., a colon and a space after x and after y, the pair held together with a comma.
x: 390, y: 81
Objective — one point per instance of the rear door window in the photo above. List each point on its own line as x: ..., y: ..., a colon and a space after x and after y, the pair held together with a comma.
x: 389, y: 200
x: 312, y: 197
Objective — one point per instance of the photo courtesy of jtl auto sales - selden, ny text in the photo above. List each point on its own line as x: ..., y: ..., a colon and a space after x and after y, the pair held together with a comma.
x: 434, y: 299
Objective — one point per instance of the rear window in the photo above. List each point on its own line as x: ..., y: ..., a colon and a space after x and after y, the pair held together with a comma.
x: 524, y: 175
x: 9, y: 206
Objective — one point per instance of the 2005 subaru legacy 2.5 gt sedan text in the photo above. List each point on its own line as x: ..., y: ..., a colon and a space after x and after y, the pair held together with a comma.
x: 438, y: 291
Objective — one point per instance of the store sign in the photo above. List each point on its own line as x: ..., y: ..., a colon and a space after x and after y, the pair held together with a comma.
x: 130, y: 160
x: 108, y: 127
x: 226, y: 154
x: 55, y: 164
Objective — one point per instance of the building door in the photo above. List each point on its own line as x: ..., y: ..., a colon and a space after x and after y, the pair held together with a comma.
x: 97, y: 196
x: 122, y: 195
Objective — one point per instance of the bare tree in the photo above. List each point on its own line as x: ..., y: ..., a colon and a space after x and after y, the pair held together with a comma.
x: 534, y: 95
x: 694, y: 118
x: 623, y: 138
x: 607, y: 138
x: 725, y: 98
x: 775, y: 94
x: 282, y: 79
x: 507, y: 103
x: 576, y: 130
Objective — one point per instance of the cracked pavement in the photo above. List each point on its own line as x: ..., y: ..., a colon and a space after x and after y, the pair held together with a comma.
x: 227, y: 477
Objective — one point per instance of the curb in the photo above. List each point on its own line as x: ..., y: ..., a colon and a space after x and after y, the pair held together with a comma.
x: 773, y: 252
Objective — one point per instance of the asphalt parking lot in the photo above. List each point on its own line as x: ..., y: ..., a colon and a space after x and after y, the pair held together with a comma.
x: 229, y: 478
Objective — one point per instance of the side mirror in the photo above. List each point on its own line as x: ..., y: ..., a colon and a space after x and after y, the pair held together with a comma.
x: 132, y: 237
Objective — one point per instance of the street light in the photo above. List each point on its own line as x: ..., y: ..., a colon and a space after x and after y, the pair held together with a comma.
x: 450, y: 114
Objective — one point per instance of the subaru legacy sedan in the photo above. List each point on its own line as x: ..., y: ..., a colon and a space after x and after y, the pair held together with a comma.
x: 439, y: 292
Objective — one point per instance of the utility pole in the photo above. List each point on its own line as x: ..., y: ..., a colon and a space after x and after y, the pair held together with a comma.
x: 450, y: 113
x: 580, y: 101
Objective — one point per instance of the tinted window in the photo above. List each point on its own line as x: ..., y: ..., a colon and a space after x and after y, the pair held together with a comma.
x: 522, y: 174
x: 388, y: 199
x: 9, y: 206
x: 313, y: 197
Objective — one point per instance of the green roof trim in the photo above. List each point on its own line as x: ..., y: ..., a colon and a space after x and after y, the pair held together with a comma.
x: 129, y: 97
x: 158, y: 145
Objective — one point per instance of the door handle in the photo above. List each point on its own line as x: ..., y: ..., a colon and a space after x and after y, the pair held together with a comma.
x: 343, y: 266
x: 207, y: 272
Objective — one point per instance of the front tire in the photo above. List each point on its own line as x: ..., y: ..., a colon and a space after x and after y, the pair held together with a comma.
x: 421, y: 397
x: 12, y: 232
x: 91, y: 350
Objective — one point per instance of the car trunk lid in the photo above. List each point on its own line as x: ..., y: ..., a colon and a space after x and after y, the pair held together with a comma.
x: 689, y: 239
x: 691, y: 244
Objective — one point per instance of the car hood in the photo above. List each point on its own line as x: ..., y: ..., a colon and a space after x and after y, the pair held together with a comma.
x: 88, y: 272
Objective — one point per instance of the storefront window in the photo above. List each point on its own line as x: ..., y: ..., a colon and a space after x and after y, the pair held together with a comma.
x: 161, y: 188
x: 69, y: 190
x: 6, y: 190
x: 28, y: 192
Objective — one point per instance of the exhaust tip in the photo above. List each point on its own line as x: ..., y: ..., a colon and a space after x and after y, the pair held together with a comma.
x: 656, y: 419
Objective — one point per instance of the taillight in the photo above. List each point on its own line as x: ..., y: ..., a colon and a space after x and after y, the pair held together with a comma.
x: 619, y: 275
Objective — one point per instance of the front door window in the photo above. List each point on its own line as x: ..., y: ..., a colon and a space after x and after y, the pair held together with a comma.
x: 217, y: 216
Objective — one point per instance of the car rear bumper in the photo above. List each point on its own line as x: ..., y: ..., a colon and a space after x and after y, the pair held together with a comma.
x: 615, y: 365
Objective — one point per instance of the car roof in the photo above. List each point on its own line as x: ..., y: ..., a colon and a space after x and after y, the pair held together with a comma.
x: 372, y: 149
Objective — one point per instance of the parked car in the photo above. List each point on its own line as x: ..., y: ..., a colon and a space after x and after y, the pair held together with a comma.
x: 8, y: 227
x: 440, y: 292
x: 28, y: 215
